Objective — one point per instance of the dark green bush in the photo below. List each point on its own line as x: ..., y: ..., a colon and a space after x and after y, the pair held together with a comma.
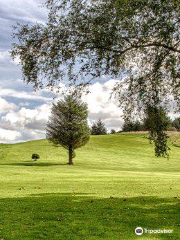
x: 35, y: 156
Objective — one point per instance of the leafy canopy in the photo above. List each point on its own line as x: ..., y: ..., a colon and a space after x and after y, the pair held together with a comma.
x: 138, y: 39
x: 35, y: 156
x: 157, y: 122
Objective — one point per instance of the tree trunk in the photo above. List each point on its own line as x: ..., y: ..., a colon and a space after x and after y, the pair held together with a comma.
x: 70, y: 155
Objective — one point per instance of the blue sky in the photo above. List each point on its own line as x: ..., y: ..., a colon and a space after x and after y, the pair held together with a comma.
x: 23, y: 112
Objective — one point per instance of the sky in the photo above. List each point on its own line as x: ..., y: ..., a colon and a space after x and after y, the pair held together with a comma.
x: 23, y: 112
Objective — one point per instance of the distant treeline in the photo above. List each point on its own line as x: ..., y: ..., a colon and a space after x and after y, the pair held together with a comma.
x: 129, y: 126
x: 98, y: 128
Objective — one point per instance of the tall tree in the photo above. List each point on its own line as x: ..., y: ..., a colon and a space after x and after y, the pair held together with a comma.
x: 98, y: 128
x: 138, y: 40
x: 67, y: 125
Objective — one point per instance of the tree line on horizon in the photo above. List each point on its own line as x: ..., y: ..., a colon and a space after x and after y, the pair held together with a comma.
x: 137, y: 126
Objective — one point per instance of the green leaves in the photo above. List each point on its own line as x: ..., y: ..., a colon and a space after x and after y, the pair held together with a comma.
x: 157, y: 123
x: 67, y: 125
x: 98, y: 128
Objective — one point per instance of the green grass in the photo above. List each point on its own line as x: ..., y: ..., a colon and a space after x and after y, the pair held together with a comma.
x: 115, y: 186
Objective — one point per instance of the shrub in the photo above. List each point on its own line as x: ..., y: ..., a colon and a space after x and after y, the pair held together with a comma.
x: 176, y: 124
x: 113, y: 131
x: 35, y: 156
x: 172, y: 129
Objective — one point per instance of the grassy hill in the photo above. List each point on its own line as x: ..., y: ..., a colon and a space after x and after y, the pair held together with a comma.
x: 115, y: 186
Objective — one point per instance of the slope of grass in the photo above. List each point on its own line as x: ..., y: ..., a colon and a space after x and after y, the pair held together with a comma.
x: 115, y: 186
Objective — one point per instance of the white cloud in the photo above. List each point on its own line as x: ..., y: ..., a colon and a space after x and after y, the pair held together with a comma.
x: 31, y: 123
x: 6, y: 106
x: 27, y: 119
x: 23, y: 10
x: 5, y: 57
x: 23, y: 95
x: 25, y: 124
x: 102, y: 106
x: 100, y: 103
x: 8, y: 135
x: 24, y: 104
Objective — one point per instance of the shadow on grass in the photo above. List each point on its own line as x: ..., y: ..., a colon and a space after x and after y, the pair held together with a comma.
x: 176, y: 145
x: 69, y: 217
x: 37, y: 164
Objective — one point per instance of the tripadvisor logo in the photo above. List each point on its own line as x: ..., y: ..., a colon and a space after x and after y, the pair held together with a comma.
x: 139, y: 231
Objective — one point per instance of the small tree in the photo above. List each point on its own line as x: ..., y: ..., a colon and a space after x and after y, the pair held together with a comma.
x: 35, y: 156
x: 130, y: 126
x: 113, y: 131
x: 176, y: 123
x: 127, y: 126
x: 68, y: 126
x: 98, y: 128
x: 137, y: 126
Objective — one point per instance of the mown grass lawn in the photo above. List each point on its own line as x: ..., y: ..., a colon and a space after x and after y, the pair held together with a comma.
x: 115, y: 186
